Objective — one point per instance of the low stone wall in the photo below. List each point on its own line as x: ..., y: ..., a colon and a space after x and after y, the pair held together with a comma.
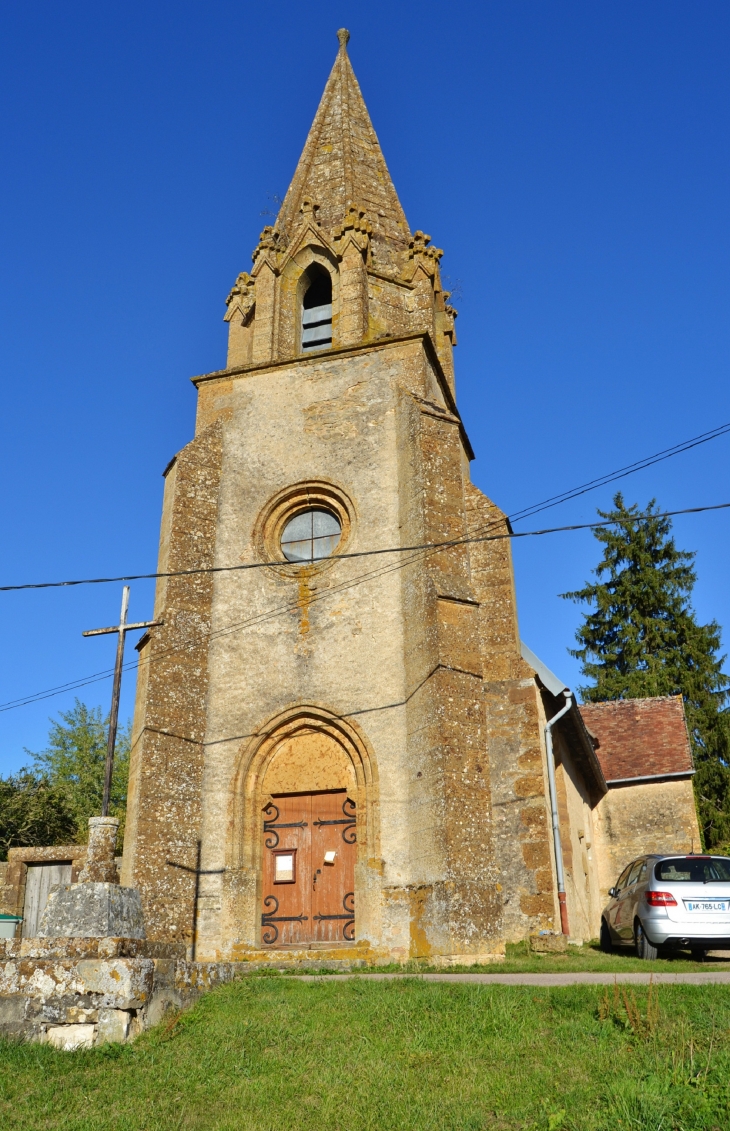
x: 14, y: 871
x: 78, y: 993
x: 83, y: 992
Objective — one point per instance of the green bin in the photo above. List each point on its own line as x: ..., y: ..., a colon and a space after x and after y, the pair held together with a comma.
x: 8, y: 923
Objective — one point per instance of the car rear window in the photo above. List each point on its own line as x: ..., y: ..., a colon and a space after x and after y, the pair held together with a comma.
x: 693, y: 870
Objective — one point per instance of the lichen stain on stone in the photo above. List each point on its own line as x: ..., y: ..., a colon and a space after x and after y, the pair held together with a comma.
x: 304, y: 599
x: 420, y: 946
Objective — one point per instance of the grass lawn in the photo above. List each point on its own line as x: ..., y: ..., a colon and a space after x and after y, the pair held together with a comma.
x: 272, y: 1054
x: 520, y: 960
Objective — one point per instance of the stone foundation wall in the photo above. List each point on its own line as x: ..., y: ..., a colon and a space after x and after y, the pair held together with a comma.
x: 79, y: 993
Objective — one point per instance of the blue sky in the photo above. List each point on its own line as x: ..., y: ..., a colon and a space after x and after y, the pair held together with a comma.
x: 571, y: 159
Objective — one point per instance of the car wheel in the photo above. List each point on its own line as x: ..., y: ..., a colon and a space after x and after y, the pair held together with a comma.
x: 606, y: 940
x: 698, y: 953
x: 644, y: 948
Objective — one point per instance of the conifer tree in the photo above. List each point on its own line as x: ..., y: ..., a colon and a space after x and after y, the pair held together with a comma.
x: 641, y: 638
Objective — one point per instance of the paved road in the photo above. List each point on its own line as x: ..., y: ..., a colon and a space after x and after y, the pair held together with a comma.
x: 690, y: 978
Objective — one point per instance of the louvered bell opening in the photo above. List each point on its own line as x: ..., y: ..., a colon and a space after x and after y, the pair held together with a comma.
x: 317, y: 327
x: 317, y: 313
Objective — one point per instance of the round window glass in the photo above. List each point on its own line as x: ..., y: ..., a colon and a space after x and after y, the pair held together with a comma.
x: 310, y: 536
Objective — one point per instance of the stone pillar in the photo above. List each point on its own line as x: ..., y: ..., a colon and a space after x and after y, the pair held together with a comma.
x: 264, y: 325
x: 100, y: 867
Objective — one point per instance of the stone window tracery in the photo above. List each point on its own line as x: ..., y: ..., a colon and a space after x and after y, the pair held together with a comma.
x: 310, y: 536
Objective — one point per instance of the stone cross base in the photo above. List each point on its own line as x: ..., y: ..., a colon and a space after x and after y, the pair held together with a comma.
x: 92, y: 910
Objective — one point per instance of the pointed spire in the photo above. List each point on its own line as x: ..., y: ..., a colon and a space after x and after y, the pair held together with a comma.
x: 342, y: 163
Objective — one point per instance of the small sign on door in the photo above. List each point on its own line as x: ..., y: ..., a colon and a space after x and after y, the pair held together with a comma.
x: 285, y: 867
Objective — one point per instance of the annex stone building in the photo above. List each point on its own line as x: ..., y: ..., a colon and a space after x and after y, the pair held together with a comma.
x: 339, y: 741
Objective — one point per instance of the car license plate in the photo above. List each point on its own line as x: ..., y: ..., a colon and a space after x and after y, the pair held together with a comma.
x: 711, y: 905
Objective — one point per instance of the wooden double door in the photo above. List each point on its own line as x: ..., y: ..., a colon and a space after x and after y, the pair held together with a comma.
x: 309, y: 869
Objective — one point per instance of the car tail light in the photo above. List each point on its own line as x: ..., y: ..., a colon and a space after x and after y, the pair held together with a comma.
x: 660, y: 899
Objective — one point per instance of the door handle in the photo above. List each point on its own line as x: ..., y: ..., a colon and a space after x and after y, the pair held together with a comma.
x: 314, y: 878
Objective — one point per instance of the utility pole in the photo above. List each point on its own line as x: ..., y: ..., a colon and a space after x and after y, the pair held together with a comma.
x: 121, y: 629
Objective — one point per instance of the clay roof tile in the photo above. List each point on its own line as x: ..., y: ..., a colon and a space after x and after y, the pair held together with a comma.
x: 640, y: 738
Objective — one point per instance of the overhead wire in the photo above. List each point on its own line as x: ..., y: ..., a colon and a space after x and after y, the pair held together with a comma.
x: 422, y: 551
x: 526, y: 512
x: 622, y: 472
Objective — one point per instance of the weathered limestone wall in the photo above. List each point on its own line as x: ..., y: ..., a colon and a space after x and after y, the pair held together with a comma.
x: 382, y: 654
x: 580, y: 857
x: 163, y: 820
x: 649, y: 817
x: 457, y: 910
x: 514, y: 745
x: 329, y: 641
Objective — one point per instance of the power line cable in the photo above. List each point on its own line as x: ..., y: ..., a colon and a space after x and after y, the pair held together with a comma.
x: 622, y: 472
x: 553, y: 501
x: 422, y: 551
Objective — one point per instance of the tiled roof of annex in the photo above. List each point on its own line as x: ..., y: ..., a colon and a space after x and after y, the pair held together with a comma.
x: 640, y: 738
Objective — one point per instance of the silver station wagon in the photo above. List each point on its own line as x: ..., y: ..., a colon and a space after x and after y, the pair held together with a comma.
x: 670, y: 902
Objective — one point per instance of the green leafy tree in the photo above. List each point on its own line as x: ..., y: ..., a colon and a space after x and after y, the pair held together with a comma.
x: 50, y: 801
x: 73, y: 763
x: 33, y: 812
x: 641, y: 639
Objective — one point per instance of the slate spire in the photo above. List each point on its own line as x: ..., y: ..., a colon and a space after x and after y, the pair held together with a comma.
x: 342, y: 164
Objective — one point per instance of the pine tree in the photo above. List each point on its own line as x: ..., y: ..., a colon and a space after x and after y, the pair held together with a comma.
x: 641, y: 639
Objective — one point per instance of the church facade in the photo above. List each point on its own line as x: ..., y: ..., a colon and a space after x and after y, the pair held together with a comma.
x: 339, y: 742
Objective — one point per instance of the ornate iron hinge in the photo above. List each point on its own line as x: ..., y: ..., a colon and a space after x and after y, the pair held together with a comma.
x: 348, y: 928
x: 349, y: 835
x: 269, y: 918
x: 273, y: 823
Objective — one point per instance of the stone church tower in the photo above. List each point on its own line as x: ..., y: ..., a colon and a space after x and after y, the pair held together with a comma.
x: 337, y: 743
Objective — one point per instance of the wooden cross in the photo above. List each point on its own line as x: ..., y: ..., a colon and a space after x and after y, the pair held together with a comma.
x: 197, y: 871
x: 122, y: 629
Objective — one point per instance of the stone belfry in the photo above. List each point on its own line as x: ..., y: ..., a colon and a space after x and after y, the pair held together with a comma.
x: 329, y: 715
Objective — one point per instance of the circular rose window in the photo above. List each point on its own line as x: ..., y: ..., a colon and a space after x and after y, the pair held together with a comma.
x: 310, y: 536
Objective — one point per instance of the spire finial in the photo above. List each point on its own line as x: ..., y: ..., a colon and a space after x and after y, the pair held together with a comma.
x: 344, y: 37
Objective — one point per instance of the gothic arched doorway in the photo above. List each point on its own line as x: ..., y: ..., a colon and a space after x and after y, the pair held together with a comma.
x: 309, y: 842
x: 307, y: 826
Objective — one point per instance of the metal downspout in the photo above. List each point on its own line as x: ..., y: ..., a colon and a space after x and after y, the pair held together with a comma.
x: 554, y: 811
